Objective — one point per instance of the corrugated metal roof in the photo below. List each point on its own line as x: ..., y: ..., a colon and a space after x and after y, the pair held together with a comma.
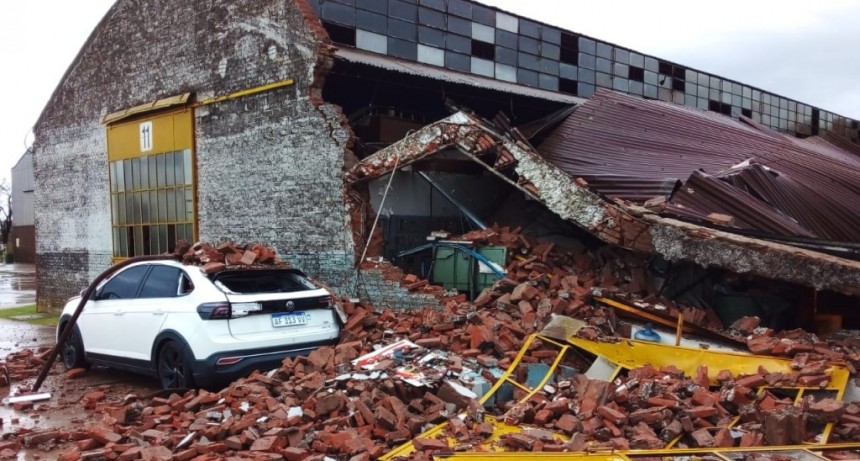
x: 626, y: 147
x: 425, y: 70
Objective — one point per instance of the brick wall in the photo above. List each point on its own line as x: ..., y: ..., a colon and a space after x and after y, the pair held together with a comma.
x: 373, y: 287
x: 269, y: 166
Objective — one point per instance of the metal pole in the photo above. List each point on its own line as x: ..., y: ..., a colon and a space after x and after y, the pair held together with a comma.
x: 453, y: 201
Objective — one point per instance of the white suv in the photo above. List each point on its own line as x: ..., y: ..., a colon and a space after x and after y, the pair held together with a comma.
x: 172, y: 321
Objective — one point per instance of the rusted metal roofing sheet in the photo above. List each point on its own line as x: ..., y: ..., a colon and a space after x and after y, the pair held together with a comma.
x: 703, y: 194
x: 632, y: 188
x: 626, y: 147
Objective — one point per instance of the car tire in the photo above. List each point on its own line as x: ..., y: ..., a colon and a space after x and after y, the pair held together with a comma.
x: 174, y: 367
x: 73, y: 351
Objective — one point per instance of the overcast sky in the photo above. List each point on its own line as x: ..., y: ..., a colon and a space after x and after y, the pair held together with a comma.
x: 803, y: 50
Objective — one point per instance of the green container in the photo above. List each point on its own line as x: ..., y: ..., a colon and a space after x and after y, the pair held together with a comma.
x: 452, y: 269
x: 458, y: 270
x: 485, y: 278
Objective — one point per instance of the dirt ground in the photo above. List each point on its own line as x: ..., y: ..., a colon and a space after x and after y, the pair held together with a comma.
x: 63, y: 411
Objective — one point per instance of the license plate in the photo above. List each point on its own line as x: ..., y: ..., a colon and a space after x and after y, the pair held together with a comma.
x: 289, y: 320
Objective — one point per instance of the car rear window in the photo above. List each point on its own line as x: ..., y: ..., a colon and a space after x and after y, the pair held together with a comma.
x: 256, y: 281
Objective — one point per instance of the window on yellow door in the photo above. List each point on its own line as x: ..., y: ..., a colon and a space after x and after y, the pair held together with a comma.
x: 151, y: 203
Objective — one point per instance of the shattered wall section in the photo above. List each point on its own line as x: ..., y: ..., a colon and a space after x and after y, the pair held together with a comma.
x: 389, y: 288
x: 615, y: 223
x: 677, y: 240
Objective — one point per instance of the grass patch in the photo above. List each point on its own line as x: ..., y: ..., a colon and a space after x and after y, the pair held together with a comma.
x: 28, y: 314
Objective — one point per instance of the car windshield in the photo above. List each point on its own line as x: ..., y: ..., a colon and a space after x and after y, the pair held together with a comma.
x: 257, y: 281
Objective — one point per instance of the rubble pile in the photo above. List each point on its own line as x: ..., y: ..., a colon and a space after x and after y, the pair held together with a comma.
x: 334, y: 402
x: 395, y: 374
x: 355, y: 402
x: 22, y: 364
x: 649, y: 408
x: 225, y: 255
x: 800, y: 345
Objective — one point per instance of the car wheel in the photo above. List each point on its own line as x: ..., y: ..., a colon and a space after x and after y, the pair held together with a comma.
x: 174, y: 368
x: 73, y: 351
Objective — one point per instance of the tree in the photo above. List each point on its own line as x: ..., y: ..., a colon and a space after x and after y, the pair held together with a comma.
x: 5, y: 211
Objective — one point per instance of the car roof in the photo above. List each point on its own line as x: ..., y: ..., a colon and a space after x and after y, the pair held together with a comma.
x: 230, y: 269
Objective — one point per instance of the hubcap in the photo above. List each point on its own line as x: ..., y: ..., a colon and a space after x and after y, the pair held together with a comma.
x: 172, y: 368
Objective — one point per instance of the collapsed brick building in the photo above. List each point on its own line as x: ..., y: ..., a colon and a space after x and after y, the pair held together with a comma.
x: 279, y: 122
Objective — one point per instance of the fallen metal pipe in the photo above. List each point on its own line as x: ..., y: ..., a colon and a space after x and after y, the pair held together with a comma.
x: 477, y: 221
x: 67, y: 331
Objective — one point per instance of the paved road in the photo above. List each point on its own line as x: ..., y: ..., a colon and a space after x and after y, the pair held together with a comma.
x: 17, y: 285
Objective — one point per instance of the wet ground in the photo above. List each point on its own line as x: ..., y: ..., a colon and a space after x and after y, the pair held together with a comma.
x: 64, y: 410
x: 17, y: 285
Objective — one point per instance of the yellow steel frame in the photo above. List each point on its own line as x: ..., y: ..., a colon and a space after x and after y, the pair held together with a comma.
x: 628, y: 354
x: 248, y: 92
x: 687, y: 453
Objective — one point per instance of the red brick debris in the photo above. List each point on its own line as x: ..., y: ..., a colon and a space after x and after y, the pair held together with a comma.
x: 215, y: 258
x: 22, y: 364
x: 337, y: 402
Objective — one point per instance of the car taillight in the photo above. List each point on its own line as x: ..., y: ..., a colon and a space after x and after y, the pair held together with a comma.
x: 325, y: 301
x: 214, y: 311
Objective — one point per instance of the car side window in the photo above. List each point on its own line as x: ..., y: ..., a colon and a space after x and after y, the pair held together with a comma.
x: 124, y: 285
x: 185, y: 284
x: 162, y: 282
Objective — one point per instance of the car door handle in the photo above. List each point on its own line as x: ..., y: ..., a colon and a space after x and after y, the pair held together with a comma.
x: 158, y: 312
x: 119, y: 313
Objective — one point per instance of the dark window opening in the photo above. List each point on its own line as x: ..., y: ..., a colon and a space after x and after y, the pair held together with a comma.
x: 261, y: 281
x: 636, y: 74
x: 569, y: 52
x: 483, y: 50
x: 566, y: 85
x: 569, y: 56
x: 678, y: 85
x: 746, y: 113
x: 816, y: 118
x: 679, y: 72
x: 716, y: 106
x: 570, y: 41
x: 664, y: 68
x: 340, y: 34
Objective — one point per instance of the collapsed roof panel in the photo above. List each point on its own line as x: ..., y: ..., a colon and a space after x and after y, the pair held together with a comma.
x: 621, y: 145
x: 761, y: 199
x: 703, y: 195
x: 614, y: 223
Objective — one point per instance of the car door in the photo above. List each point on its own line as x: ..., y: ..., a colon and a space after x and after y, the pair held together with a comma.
x: 142, y: 317
x: 102, y: 316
